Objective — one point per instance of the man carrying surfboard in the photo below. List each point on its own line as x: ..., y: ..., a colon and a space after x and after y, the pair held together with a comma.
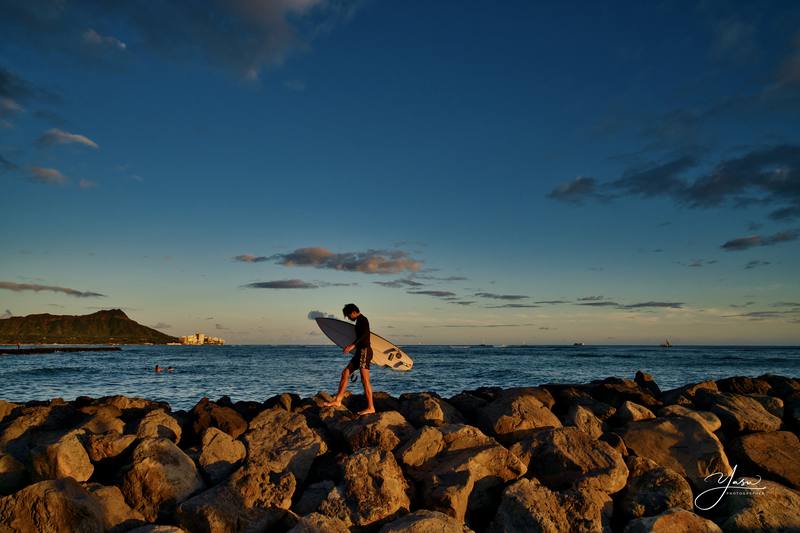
x: 362, y: 356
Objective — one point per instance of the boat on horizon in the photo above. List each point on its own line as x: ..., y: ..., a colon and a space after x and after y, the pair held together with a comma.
x: 666, y: 344
x: 577, y: 344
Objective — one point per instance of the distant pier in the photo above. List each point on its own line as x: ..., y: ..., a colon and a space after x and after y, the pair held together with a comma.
x: 56, y: 349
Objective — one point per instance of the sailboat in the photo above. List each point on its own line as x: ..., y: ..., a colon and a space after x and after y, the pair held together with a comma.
x: 666, y: 344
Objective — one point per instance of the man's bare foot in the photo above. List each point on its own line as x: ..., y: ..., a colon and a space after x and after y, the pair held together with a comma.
x: 333, y: 403
x: 366, y: 412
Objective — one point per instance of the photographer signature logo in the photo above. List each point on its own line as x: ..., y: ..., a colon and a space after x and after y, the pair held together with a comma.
x: 725, y: 483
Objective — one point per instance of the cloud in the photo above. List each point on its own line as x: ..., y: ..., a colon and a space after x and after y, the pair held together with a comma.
x: 368, y: 262
x: 754, y: 241
x: 51, y: 176
x: 461, y: 302
x: 19, y: 287
x: 697, y: 263
x: 552, y: 302
x: 511, y: 306
x: 591, y: 298
x: 313, y: 315
x: 437, y: 294
x: 399, y: 283
x: 436, y: 278
x: 243, y: 36
x: 789, y: 72
x: 162, y: 325
x: 93, y: 38
x: 56, y: 136
x: 7, y: 314
x: 480, y: 326
x: 756, y: 263
x: 761, y: 315
x: 763, y: 175
x: 86, y: 184
x: 281, y: 284
x: 495, y: 296
x: 642, y: 305
x: 599, y: 304
x: 246, y: 258
x: 577, y: 191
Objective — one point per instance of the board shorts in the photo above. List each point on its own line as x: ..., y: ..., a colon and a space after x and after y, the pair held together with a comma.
x: 361, y: 359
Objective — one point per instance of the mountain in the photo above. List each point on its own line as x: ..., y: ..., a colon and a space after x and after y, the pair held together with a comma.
x: 102, y: 327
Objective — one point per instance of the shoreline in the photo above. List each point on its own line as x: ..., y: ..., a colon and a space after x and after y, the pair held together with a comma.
x: 611, y: 455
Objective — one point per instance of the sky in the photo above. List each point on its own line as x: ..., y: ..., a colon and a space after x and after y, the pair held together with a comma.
x: 465, y: 172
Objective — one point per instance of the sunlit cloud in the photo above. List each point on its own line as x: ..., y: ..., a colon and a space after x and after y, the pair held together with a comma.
x: 57, y: 136
x: 20, y: 287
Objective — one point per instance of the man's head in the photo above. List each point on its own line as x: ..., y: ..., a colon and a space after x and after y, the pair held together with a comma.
x: 351, y: 311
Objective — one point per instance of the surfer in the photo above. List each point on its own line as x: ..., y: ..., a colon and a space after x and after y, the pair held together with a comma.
x: 362, y: 355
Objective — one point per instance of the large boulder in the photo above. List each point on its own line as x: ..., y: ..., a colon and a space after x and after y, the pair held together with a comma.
x: 158, y: 424
x: 775, y: 508
x: 208, y: 414
x: 220, y: 455
x: 51, y: 506
x: 515, y: 413
x: 567, y: 457
x: 773, y: 455
x: 60, y: 456
x: 529, y: 506
x: 425, y: 521
x: 582, y: 418
x: 117, y: 514
x: 384, y: 429
x: 685, y: 394
x: 631, y: 412
x: 319, y: 523
x: 13, y: 474
x: 707, y: 418
x: 161, y: 477
x: 107, y: 446
x: 6, y: 408
x: 103, y: 420
x: 374, y: 490
x: 280, y: 451
x: 672, y: 521
x: 648, y: 383
x: 427, y: 408
x: 459, y: 470
x: 737, y: 412
x: 680, y: 443
x: 653, y: 489
x: 781, y: 386
x: 569, y: 396
x: 616, y: 391
x: 19, y: 433
x: 744, y: 385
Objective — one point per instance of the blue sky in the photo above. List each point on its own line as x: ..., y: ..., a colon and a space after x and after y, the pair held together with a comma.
x: 522, y: 173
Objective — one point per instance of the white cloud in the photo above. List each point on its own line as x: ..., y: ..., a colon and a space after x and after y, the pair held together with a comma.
x: 50, y: 176
x: 90, y: 36
x: 57, y: 136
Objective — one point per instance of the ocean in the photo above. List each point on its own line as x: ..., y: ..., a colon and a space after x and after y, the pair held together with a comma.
x: 258, y: 372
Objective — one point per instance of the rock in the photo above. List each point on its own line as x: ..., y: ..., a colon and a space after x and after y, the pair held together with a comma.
x: 567, y: 457
x: 653, y: 489
x: 207, y: 414
x: 567, y: 396
x: 680, y: 443
x: 685, y: 395
x: 117, y: 515
x: 382, y: 400
x: 313, y: 496
x: 18, y: 434
x: 427, y: 408
x: 791, y: 411
x: 13, y: 474
x: 132, y: 409
x: 615, y: 391
x: 707, y: 418
x: 616, y: 442
x: 374, y: 487
x: 773, y: 509
x: 319, y: 523
x: 107, y: 446
x: 529, y: 506
x: 744, y: 385
x: 514, y: 414
x: 773, y: 455
x: 104, y: 422
x: 385, y: 430
x: 161, y: 477
x: 158, y: 424
x: 64, y: 457
x: 673, y: 521
x: 6, y: 408
x: 773, y: 405
x: 51, y: 506
x: 424, y: 521
x: 738, y: 413
x: 284, y: 401
x: 632, y: 412
x: 582, y: 418
x: 781, y: 386
x: 280, y: 451
x: 459, y: 470
x: 157, y: 529
x: 646, y: 381
x: 220, y: 455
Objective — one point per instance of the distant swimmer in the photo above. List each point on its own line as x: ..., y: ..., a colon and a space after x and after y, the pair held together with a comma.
x: 158, y: 369
x: 170, y: 370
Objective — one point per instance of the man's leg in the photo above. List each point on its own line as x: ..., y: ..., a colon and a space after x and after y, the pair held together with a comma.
x: 342, y: 387
x: 367, y: 392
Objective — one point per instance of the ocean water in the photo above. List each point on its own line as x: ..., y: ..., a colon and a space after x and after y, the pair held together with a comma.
x: 258, y: 372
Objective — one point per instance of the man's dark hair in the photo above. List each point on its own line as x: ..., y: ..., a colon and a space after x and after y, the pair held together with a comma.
x: 350, y: 308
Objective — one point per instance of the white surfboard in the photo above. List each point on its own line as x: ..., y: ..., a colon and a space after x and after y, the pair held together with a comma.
x: 384, y: 353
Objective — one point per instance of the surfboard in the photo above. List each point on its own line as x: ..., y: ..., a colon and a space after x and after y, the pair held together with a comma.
x: 384, y: 353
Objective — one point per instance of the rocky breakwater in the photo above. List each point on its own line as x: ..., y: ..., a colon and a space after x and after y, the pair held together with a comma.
x: 612, y: 455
